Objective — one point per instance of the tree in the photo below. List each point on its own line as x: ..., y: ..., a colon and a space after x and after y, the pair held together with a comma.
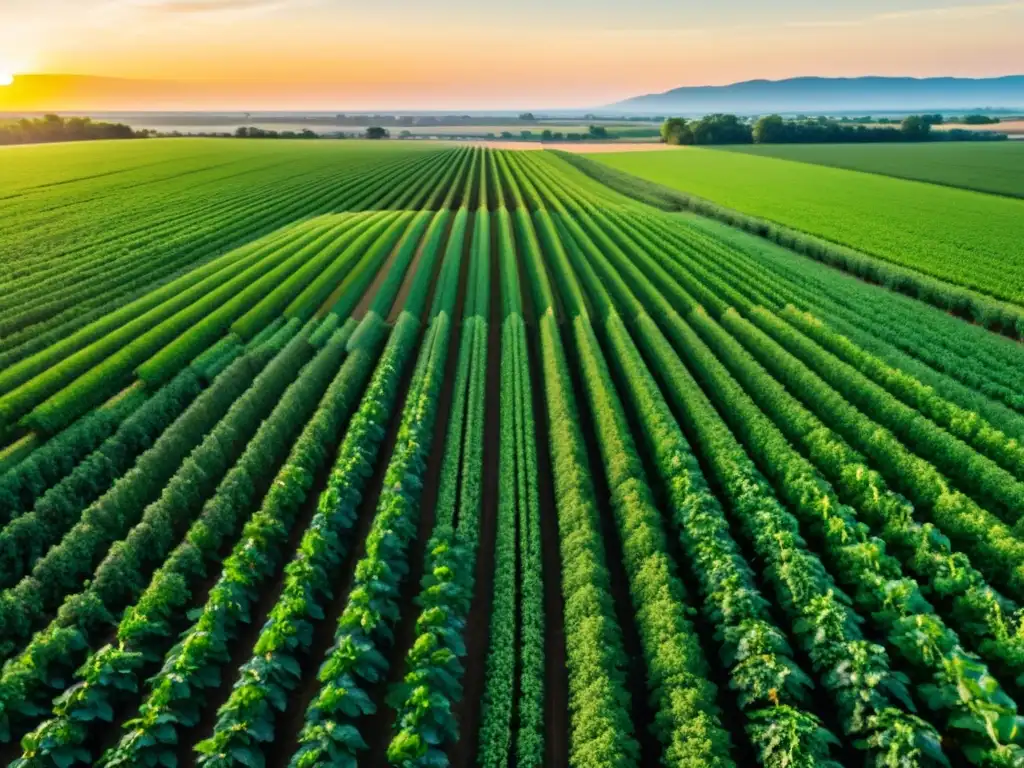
x: 915, y: 128
x: 676, y: 130
x: 721, y: 129
x: 546, y: 135
x: 770, y: 130
x: 405, y: 135
x: 376, y: 132
x: 979, y: 120
x: 597, y: 132
x: 526, y: 134
x: 506, y: 134
x: 527, y: 116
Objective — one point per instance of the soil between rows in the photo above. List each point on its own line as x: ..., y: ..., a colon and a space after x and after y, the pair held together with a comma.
x: 377, y: 728
x: 477, y: 632
x: 556, y: 675
x: 290, y: 722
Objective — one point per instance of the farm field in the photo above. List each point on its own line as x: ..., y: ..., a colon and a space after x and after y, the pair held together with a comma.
x: 377, y: 455
x: 964, y: 237
x: 996, y: 167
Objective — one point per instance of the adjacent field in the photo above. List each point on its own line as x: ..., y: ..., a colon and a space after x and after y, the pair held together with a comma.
x: 486, y: 464
x: 961, y: 236
x: 996, y: 167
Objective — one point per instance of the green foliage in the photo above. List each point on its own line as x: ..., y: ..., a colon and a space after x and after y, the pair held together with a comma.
x: 601, y: 732
x: 29, y: 479
x: 814, y: 484
x: 771, y: 687
x: 960, y: 236
x: 356, y: 661
x: 246, y: 719
x: 432, y: 683
x: 146, y: 625
x: 42, y: 663
x: 995, y: 167
x: 27, y: 538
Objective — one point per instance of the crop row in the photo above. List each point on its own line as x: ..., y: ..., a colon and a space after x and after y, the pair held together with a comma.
x: 1000, y: 712
x: 517, y: 614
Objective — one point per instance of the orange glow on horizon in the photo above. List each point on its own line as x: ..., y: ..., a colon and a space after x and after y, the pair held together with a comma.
x: 276, y: 56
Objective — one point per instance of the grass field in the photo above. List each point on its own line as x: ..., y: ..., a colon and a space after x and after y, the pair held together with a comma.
x: 996, y: 167
x: 964, y: 237
x: 457, y: 457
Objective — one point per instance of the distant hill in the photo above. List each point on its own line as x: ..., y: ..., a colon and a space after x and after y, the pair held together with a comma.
x: 823, y: 94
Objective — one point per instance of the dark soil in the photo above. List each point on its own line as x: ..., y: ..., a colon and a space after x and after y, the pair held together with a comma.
x: 477, y: 632
x: 377, y: 728
x: 556, y: 676
x: 279, y: 752
x: 819, y: 700
x: 636, y: 670
x: 732, y: 717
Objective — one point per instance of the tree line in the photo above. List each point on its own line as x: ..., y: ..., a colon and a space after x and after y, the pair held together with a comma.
x: 775, y: 129
x: 53, y: 128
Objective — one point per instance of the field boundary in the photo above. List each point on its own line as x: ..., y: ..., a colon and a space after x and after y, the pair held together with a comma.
x: 743, y: 150
x: 994, y: 314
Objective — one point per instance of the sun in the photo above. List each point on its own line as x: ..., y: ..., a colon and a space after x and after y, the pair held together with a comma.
x: 6, y: 79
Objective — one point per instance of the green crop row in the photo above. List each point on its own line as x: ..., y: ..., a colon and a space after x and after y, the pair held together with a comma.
x: 54, y: 460
x: 601, y: 730
x: 227, y: 223
x: 999, y: 717
x: 517, y: 614
x: 26, y: 539
x: 264, y: 681
x: 425, y: 723
x: 773, y: 690
x: 42, y: 662
x: 102, y: 682
x: 874, y: 704
x: 175, y: 699
x: 330, y: 730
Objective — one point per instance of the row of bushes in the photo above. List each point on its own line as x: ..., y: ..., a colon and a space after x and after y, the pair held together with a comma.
x: 601, y: 732
x: 28, y: 678
x: 148, y: 626
x: 871, y: 699
x: 517, y: 612
x: 954, y: 676
x: 365, y: 627
x: 53, y: 128
x: 772, y: 690
x: 425, y: 723
x: 775, y: 129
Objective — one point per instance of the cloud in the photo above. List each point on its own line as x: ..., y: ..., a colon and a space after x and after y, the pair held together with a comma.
x: 953, y: 12
x: 946, y: 12
x: 825, y: 24
x: 207, y: 6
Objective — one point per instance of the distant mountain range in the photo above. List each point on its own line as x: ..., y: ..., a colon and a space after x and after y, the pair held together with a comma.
x: 824, y: 94
x: 815, y: 95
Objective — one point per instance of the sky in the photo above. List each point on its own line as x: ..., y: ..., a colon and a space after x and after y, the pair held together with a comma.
x: 468, y: 54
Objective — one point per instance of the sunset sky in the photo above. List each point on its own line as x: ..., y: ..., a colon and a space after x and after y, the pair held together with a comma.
x: 525, y: 53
